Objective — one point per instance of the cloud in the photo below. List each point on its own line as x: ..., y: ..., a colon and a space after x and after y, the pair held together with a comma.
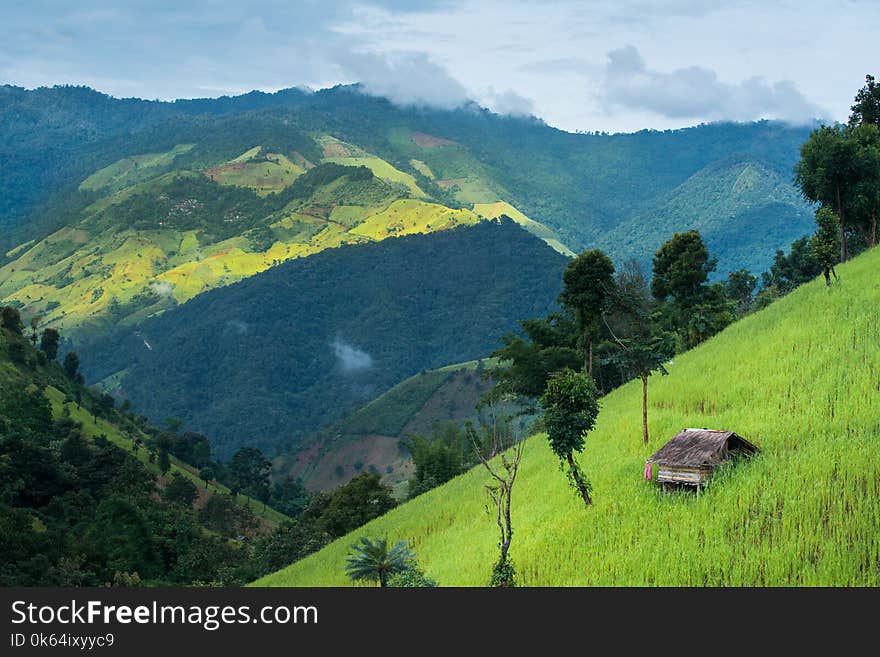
x: 405, y: 78
x: 509, y: 102
x: 696, y: 92
x: 162, y: 288
x: 350, y: 358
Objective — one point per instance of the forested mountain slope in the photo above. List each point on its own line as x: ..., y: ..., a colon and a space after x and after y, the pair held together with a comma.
x: 275, y: 356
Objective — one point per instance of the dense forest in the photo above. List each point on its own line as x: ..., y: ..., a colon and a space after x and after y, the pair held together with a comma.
x: 269, y: 359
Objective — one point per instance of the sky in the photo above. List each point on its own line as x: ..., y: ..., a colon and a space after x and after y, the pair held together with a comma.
x: 602, y: 65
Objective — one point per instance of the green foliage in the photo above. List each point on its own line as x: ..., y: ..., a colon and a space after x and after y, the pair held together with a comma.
x: 740, y: 288
x: 789, y: 271
x: 71, y: 364
x: 825, y: 243
x: 49, y: 343
x: 471, y: 286
x: 354, y: 504
x: 503, y: 574
x: 373, y: 560
x: 681, y: 268
x: 180, y: 490
x: 10, y: 319
x: 524, y: 367
x: 439, y: 458
x: 570, y: 407
x: 411, y: 577
x: 248, y: 472
x: 866, y: 108
x: 588, y: 288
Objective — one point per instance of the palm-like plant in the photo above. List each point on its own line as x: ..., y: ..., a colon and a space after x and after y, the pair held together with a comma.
x: 373, y: 560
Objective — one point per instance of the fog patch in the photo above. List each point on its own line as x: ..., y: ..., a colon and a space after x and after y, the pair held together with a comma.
x: 238, y: 326
x: 162, y: 288
x: 350, y: 358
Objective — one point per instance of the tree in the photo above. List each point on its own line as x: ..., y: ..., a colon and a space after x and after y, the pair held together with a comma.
x: 10, y: 319
x: 180, y: 490
x: 192, y: 447
x: 524, y: 367
x: 373, y: 560
x: 588, y: 288
x: 509, y: 452
x: 437, y: 459
x: 206, y: 474
x: 164, y: 445
x: 49, y: 343
x: 866, y: 108
x: 570, y: 411
x: 825, y: 241
x: 865, y: 197
x: 35, y: 322
x: 740, y: 288
x: 249, y: 471
x: 71, y: 365
x: 355, y: 504
x: 173, y: 424
x: 827, y: 173
x: 642, y: 358
x: 681, y: 269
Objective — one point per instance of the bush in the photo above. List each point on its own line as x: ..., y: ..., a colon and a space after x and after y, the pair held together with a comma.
x: 411, y: 577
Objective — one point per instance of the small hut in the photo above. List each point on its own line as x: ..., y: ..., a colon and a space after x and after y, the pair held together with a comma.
x: 692, y: 454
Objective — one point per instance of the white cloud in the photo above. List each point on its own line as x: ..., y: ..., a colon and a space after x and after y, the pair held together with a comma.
x: 405, y: 78
x: 697, y: 92
x: 509, y: 102
x: 350, y: 358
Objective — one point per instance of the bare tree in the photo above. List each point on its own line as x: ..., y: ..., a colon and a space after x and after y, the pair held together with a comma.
x: 500, y: 442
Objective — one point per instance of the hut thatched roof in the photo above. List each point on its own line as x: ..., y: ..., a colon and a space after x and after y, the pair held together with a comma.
x: 701, y: 447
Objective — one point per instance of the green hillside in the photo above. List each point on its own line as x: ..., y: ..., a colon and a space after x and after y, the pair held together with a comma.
x: 800, y: 379
x: 368, y: 439
x: 156, y: 229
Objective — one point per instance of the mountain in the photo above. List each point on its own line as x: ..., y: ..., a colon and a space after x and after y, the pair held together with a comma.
x: 274, y: 357
x: 589, y: 190
x: 153, y: 230
x: 799, y: 379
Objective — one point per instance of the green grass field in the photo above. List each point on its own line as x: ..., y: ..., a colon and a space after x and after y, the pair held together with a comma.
x: 800, y: 379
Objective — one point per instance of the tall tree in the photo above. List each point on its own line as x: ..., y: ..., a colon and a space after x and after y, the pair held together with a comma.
x: 373, y: 560
x: 827, y: 173
x: 866, y: 108
x: 250, y: 470
x: 865, y: 197
x: 10, y: 319
x: 49, y: 343
x: 509, y: 451
x: 570, y: 409
x: 588, y: 289
x: 71, y: 365
x: 825, y: 243
x: 642, y: 357
x: 524, y: 366
x: 681, y: 268
x: 35, y: 322
x: 740, y: 288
